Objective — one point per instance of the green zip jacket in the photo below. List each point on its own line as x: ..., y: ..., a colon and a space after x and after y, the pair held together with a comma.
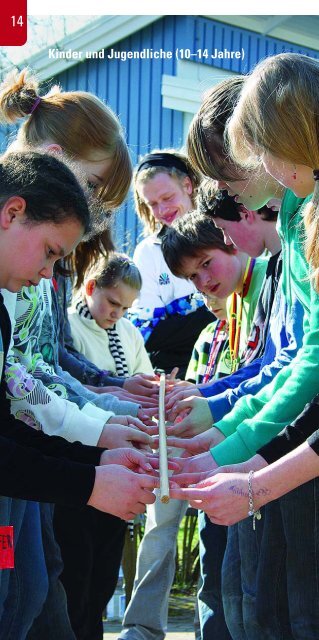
x: 255, y: 420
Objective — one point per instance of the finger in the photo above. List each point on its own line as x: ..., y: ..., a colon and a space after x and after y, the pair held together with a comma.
x: 182, y: 493
x: 173, y: 465
x: 148, y: 496
x: 145, y: 401
x: 180, y: 443
x: 179, y: 407
x: 173, y: 397
x: 140, y: 426
x: 148, y: 403
x: 205, y: 482
x: 193, y: 493
x: 185, y: 479
x: 153, y: 377
x: 152, y: 430
x: 139, y: 436
x: 155, y: 442
x: 137, y: 421
x: 153, y: 472
x: 142, y: 447
x: 197, y: 504
x: 180, y: 430
x: 147, y: 482
x: 172, y: 375
x: 177, y: 493
x: 188, y: 454
x: 144, y: 465
x: 147, y: 383
x: 148, y: 413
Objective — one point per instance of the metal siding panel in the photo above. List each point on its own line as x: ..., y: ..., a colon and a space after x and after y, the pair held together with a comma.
x: 159, y: 122
x: 236, y: 45
x: 134, y: 100
x: 124, y: 218
x: 102, y: 81
x: 92, y: 76
x: 145, y: 108
x: 212, y: 34
x: 112, y: 84
x: 123, y: 106
x: 172, y: 36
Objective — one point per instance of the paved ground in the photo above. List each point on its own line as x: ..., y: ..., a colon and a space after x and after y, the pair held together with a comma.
x: 176, y: 631
x: 180, y: 622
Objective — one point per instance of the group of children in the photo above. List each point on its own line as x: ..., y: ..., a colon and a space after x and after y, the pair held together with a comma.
x: 234, y: 226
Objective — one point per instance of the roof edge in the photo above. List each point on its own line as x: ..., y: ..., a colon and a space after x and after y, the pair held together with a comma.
x: 97, y: 35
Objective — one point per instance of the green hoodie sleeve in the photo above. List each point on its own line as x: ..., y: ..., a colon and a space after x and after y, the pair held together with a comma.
x: 255, y: 420
x: 261, y: 417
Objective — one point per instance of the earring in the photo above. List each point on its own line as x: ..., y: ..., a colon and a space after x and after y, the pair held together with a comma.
x: 294, y: 175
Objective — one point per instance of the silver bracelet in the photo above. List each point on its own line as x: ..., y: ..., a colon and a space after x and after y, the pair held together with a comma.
x: 256, y: 515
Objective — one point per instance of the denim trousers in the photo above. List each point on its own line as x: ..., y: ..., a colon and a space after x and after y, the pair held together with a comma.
x: 28, y: 584
x: 270, y: 577
x: 147, y: 612
x: 212, y: 545
x: 297, y: 543
x: 239, y: 573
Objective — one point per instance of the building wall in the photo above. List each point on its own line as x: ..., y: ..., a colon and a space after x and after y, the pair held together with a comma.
x: 133, y: 88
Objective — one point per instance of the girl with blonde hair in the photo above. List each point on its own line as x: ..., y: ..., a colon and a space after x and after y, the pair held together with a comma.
x: 98, y: 327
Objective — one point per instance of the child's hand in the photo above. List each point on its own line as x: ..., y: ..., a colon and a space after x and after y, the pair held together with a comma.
x: 137, y: 461
x: 116, y: 436
x: 198, y: 417
x: 142, y: 385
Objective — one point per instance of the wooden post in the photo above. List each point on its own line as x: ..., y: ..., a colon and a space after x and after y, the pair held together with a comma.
x: 163, y: 466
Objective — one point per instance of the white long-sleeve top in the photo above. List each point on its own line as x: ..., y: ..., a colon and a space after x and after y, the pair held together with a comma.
x: 32, y: 402
x: 93, y: 342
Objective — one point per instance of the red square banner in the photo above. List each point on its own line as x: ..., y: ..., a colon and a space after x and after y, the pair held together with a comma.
x: 6, y: 548
x: 13, y: 23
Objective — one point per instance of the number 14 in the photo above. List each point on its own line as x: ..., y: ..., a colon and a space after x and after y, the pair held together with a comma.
x: 16, y: 21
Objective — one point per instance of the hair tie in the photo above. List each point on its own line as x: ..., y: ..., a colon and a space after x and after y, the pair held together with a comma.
x: 35, y: 105
x: 316, y: 174
x: 163, y: 159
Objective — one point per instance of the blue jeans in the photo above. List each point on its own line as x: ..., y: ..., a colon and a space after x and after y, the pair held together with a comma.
x: 277, y: 570
x: 239, y: 581
x: 271, y: 590
x: 212, y: 545
x: 298, y: 537
x: 53, y: 621
x: 147, y: 612
x: 28, y: 583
